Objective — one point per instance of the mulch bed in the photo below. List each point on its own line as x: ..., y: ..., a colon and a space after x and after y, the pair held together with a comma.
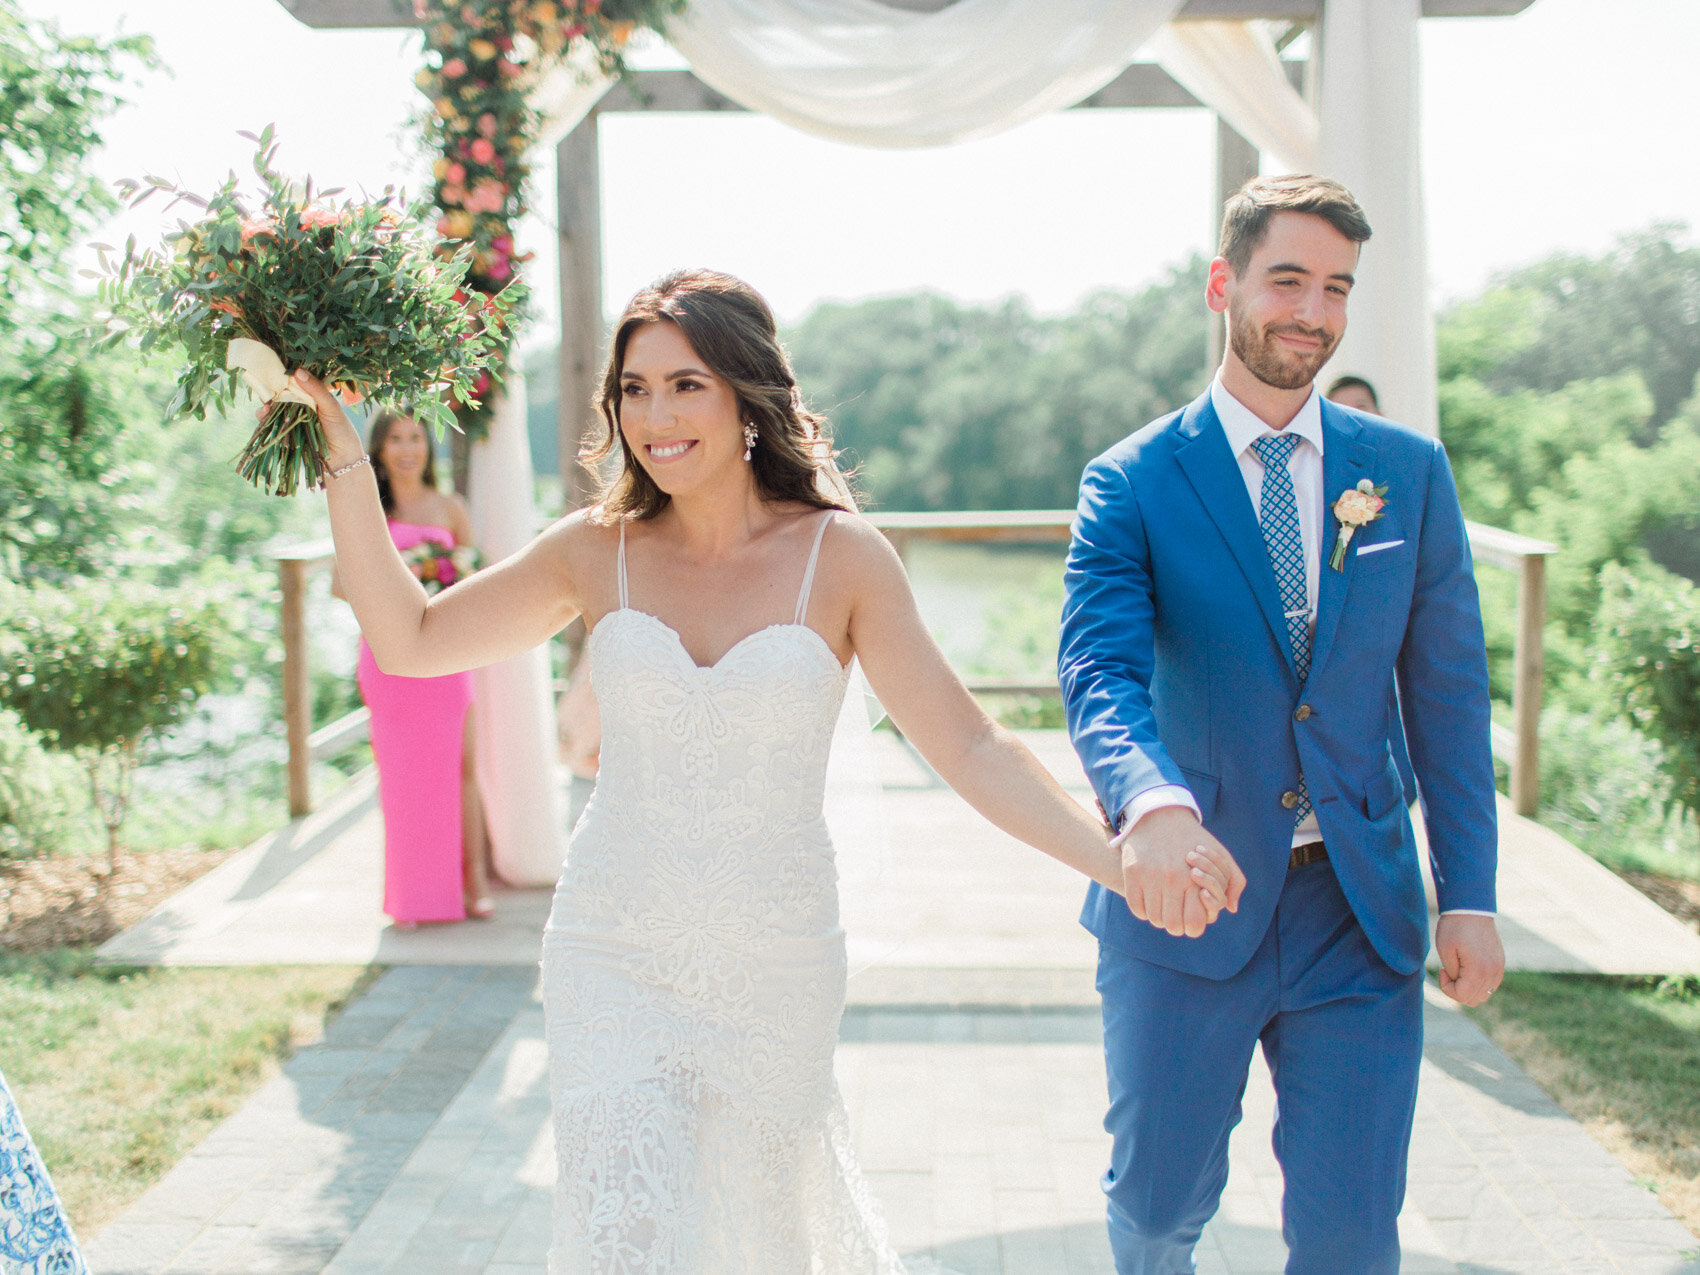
x: 1680, y: 898
x: 49, y: 903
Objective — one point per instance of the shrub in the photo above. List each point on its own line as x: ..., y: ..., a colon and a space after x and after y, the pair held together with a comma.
x: 1651, y: 620
x: 39, y: 813
x: 97, y: 672
x: 1603, y: 785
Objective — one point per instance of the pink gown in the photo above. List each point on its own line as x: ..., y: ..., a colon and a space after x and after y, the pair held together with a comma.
x: 417, y: 726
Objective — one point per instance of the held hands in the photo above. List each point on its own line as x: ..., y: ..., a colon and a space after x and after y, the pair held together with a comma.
x: 1176, y: 875
x: 1471, y: 959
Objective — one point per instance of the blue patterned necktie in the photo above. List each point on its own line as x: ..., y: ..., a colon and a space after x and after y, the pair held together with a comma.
x: 1278, y: 516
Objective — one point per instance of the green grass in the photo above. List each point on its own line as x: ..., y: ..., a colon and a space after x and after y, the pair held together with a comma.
x: 1622, y: 1055
x: 119, y: 1072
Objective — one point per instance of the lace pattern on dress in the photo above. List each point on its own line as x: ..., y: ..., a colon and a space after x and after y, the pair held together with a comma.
x: 694, y: 970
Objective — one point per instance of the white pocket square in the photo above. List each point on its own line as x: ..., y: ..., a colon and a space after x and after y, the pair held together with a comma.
x: 1377, y: 548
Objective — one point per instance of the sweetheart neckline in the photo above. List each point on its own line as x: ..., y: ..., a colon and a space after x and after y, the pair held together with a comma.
x: 725, y: 655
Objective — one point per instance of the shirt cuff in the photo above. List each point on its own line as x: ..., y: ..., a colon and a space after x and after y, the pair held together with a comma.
x: 1156, y: 799
x: 1467, y: 912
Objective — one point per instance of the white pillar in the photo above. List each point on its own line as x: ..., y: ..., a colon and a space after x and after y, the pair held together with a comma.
x: 1370, y: 123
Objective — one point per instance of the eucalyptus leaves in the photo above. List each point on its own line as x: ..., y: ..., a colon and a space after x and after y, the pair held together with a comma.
x: 353, y: 291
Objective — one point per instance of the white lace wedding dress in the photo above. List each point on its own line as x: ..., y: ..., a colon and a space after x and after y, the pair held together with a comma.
x: 694, y: 969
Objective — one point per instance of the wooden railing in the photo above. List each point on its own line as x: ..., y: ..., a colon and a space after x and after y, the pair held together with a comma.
x: 295, y: 567
x: 1518, y: 745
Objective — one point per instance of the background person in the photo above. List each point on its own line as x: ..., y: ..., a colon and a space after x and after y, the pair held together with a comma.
x: 1354, y: 391
x: 436, y: 849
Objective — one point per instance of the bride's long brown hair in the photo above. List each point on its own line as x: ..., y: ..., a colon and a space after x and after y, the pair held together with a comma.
x: 732, y: 330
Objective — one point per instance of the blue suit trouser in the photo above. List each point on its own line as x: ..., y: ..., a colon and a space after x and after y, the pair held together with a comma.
x: 1342, y: 1034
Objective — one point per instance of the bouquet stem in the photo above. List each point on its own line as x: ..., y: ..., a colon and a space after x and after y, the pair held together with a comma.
x: 288, y: 450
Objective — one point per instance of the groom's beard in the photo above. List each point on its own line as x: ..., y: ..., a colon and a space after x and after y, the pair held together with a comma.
x: 1273, y: 363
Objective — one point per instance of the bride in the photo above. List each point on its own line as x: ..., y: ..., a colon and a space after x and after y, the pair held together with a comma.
x: 693, y: 964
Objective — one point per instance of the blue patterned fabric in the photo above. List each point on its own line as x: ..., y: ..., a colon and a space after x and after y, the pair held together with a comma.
x: 1278, y: 516
x: 35, y: 1238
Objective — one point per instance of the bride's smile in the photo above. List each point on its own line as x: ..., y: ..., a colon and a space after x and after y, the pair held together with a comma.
x: 678, y: 418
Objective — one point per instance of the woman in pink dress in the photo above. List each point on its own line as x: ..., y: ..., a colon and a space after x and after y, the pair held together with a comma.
x: 436, y: 853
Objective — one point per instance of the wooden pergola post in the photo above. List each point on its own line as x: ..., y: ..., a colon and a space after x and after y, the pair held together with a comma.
x: 1237, y: 163
x: 578, y: 194
x: 297, y: 682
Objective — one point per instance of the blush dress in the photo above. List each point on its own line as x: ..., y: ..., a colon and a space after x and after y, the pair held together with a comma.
x: 694, y: 969
x: 417, y: 731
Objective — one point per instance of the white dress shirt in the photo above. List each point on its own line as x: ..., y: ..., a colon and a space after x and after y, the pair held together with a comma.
x: 1243, y: 427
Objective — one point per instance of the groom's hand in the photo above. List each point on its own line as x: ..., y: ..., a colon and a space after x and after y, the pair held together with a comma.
x: 1157, y: 873
x: 1471, y: 959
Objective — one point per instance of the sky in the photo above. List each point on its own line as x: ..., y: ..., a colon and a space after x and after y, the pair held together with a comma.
x: 1558, y: 129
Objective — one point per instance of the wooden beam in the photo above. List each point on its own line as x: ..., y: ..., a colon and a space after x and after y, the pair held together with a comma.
x: 665, y: 91
x: 399, y: 13
x: 1141, y: 84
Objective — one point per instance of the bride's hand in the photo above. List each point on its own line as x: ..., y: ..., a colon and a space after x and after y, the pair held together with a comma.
x: 341, y: 438
x: 1212, y: 871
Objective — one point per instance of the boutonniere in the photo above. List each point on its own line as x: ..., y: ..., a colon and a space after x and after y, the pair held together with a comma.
x: 1356, y: 507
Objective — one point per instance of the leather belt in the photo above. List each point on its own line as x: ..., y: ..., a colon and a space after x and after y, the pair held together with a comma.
x: 1312, y: 852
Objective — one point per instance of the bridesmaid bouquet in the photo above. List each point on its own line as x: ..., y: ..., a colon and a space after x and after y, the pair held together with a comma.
x: 353, y: 292
x: 437, y: 566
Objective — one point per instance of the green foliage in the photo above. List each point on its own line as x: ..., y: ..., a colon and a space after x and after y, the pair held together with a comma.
x: 54, y: 92
x: 39, y: 810
x: 97, y: 666
x: 351, y: 292
x: 946, y: 406
x: 1635, y: 309
x: 96, y: 671
x: 1604, y: 785
x: 64, y: 480
x: 59, y: 411
x: 1652, y: 622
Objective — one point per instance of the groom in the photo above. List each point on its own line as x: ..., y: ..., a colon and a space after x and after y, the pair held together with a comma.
x: 1249, y: 578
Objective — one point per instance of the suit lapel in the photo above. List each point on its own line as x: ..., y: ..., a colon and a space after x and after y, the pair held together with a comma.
x: 1215, y: 475
x: 1347, y: 457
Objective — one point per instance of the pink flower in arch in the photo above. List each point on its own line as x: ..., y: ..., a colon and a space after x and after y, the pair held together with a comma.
x: 482, y: 150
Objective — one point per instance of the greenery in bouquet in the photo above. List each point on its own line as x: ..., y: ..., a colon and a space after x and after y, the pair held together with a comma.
x: 437, y: 566
x: 353, y: 291
x: 483, y: 59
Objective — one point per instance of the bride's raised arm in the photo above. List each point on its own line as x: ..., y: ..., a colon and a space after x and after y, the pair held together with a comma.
x: 489, y: 616
x: 989, y: 767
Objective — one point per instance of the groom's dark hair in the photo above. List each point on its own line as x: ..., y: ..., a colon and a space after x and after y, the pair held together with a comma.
x: 1246, y: 215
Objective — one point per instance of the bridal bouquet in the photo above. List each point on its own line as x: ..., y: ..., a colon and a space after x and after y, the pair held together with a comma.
x: 352, y: 291
x: 437, y: 566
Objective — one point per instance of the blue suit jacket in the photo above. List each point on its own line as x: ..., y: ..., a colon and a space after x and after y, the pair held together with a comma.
x: 1176, y: 669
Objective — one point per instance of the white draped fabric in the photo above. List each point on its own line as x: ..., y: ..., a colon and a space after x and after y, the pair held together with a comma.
x: 1370, y: 141
x: 1234, y: 69
x: 514, y: 704
x: 856, y: 71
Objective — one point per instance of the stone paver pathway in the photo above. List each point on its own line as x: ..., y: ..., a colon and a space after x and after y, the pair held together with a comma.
x: 416, y: 1140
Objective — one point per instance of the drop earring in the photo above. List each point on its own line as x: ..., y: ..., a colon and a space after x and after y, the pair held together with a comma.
x: 749, y: 439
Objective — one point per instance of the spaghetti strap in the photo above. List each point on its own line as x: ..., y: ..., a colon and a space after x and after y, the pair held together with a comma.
x: 620, y: 571
x: 809, y: 571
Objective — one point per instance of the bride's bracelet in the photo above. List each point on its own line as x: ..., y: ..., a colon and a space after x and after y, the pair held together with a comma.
x: 365, y: 459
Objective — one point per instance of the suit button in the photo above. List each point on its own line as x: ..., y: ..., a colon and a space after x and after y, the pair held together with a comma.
x: 1289, y: 799
x: 1301, y: 712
